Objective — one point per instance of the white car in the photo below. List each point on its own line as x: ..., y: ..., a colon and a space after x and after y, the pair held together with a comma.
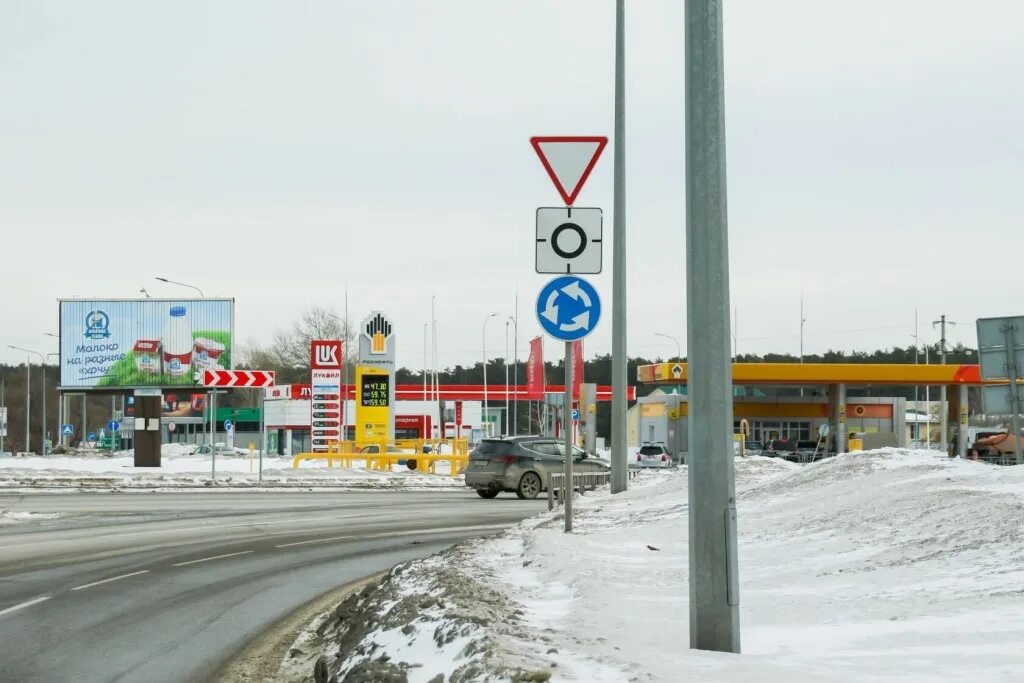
x: 654, y: 456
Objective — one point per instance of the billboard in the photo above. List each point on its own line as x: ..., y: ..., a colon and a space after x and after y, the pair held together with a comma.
x: 118, y: 343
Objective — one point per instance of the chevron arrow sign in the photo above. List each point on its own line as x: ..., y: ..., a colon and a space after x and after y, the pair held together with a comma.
x: 240, y: 379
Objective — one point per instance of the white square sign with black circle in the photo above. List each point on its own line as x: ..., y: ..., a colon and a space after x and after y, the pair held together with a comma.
x: 568, y: 240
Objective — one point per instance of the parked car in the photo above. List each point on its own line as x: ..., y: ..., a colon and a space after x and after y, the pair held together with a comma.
x: 654, y: 455
x: 523, y: 465
x: 218, y: 449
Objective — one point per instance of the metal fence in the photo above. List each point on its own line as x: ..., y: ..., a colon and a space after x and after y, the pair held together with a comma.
x: 580, y: 482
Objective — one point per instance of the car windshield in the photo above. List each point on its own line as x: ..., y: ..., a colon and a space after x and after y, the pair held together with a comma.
x: 492, y: 447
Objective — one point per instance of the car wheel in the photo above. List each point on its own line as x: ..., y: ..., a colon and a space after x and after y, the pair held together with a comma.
x: 487, y: 493
x: 411, y: 463
x: 529, y: 486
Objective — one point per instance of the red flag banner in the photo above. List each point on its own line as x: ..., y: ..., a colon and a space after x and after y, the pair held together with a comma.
x: 535, y: 370
x: 577, y: 369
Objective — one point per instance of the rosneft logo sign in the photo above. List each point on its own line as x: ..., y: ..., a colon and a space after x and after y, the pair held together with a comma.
x: 377, y: 329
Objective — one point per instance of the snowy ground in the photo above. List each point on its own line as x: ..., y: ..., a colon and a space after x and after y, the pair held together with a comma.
x: 179, y: 470
x: 878, y: 566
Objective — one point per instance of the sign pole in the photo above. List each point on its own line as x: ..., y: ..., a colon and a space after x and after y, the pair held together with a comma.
x: 213, y: 435
x: 713, y: 564
x: 567, y: 487
x: 619, y: 479
x: 263, y: 428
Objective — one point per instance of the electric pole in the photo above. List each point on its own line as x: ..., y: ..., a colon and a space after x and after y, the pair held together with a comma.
x: 944, y: 410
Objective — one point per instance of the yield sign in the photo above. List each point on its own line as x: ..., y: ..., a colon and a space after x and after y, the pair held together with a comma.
x: 569, y: 161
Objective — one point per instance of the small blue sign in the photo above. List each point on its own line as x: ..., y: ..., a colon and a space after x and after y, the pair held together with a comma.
x: 576, y: 414
x: 91, y: 436
x: 568, y: 308
x: 67, y: 430
x: 228, y: 425
x: 114, y: 426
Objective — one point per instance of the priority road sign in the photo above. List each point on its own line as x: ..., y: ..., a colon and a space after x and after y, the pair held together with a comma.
x: 568, y: 308
x: 568, y: 240
x: 569, y: 160
x: 238, y: 378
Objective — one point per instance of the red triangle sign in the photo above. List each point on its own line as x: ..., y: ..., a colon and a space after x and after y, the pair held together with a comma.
x: 569, y: 160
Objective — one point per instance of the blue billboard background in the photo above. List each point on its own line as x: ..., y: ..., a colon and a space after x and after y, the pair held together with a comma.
x: 144, y: 342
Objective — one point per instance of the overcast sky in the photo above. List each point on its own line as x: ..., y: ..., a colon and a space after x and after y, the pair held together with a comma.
x: 281, y: 153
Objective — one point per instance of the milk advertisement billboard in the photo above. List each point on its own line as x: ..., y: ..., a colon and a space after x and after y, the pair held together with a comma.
x: 143, y: 342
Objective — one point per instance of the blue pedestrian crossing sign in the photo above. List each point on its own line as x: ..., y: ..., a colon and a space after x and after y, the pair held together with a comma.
x: 568, y: 308
x: 67, y: 430
x: 114, y: 426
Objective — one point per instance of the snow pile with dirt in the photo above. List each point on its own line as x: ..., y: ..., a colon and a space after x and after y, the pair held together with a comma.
x: 179, y: 469
x: 872, y: 566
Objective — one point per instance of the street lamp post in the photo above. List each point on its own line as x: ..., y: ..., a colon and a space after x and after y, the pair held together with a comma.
x: 515, y: 367
x: 679, y: 350
x: 62, y: 407
x: 28, y: 398
x: 484, y: 336
x: 182, y: 284
x: 507, y: 411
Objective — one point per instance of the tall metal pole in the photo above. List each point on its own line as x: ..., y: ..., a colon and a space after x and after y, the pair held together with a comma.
x: 567, y: 487
x: 619, y: 480
x: 714, y: 565
x: 944, y: 409
x: 2, y: 405
x: 515, y: 368
x: 213, y: 437
x: 508, y: 412
x: 917, y: 408
x: 42, y: 428
x: 28, y: 404
x: 1013, y: 374
x: 484, y: 407
x: 263, y: 428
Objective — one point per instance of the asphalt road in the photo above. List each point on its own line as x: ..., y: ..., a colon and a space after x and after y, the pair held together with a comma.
x: 168, y: 586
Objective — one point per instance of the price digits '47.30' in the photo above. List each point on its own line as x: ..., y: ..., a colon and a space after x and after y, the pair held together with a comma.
x: 376, y: 391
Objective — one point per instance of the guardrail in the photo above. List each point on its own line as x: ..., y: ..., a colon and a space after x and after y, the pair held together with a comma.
x: 580, y: 482
x: 383, y: 455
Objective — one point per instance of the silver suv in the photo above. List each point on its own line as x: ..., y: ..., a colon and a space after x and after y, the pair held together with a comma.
x: 523, y: 464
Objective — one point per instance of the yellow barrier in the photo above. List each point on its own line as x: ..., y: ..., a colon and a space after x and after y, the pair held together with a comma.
x: 384, y: 455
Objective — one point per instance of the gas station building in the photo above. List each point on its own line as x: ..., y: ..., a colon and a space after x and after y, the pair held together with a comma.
x: 825, y: 388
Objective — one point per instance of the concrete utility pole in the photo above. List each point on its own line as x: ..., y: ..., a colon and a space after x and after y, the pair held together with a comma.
x: 714, y: 565
x: 620, y: 463
x: 944, y: 409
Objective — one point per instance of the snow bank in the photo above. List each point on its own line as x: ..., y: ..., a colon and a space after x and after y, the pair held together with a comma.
x: 867, y: 567
x: 188, y: 471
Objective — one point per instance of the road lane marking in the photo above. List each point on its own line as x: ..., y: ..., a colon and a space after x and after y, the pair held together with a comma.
x: 113, y: 578
x: 390, y: 534
x: 27, y: 603
x: 215, y: 557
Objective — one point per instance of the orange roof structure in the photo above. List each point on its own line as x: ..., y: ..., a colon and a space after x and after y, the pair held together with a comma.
x: 808, y: 374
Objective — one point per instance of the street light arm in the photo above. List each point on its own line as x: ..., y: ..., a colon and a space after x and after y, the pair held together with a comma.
x: 182, y: 284
x: 18, y: 348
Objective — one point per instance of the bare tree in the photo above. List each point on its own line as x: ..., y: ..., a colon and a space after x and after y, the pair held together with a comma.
x: 291, y: 347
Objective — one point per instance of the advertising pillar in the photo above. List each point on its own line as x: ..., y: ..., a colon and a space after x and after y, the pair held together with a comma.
x: 375, y: 379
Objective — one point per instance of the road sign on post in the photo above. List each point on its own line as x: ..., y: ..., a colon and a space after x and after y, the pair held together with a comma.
x: 114, y: 426
x: 67, y: 430
x: 568, y: 240
x: 239, y: 379
x: 568, y: 309
x: 569, y: 159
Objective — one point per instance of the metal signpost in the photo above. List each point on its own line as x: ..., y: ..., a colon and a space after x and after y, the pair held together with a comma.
x: 241, y: 379
x: 714, y: 566
x: 568, y: 309
x: 1001, y: 357
x: 568, y: 241
x: 113, y: 427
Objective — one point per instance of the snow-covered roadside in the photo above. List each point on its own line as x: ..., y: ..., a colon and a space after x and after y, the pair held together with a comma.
x: 871, y: 566
x: 97, y: 471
